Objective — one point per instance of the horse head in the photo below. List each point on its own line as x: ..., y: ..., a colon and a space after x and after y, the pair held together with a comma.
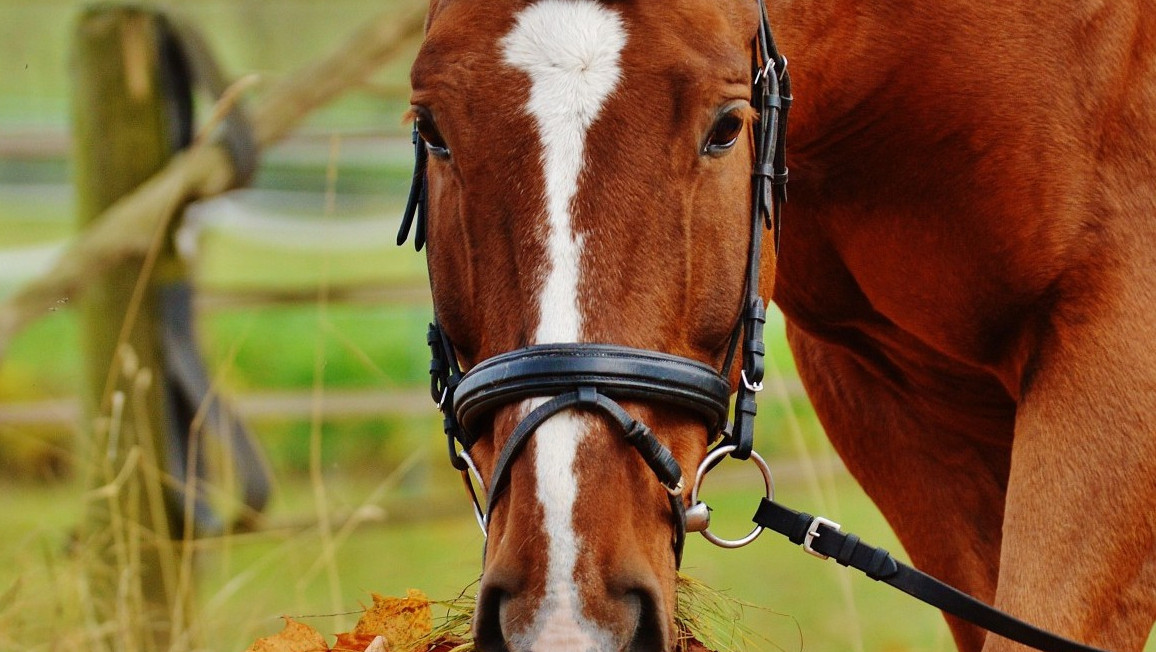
x: 588, y: 186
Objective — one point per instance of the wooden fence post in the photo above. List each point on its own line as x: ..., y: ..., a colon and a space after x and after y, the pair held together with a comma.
x: 127, y: 124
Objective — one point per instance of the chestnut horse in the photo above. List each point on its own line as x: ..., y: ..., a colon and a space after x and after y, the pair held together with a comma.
x: 967, y: 272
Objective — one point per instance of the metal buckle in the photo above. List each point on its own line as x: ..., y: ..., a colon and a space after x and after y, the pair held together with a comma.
x: 698, y: 515
x: 813, y: 533
x: 765, y: 71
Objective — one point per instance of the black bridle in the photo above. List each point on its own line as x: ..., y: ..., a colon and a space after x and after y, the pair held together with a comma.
x: 594, y: 377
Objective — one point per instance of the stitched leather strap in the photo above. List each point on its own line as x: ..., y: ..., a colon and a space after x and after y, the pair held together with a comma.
x: 878, y: 564
x: 618, y: 372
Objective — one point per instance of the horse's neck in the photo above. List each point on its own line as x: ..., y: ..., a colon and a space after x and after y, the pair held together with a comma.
x: 840, y: 54
x: 853, y: 61
x: 890, y: 119
x: 940, y: 131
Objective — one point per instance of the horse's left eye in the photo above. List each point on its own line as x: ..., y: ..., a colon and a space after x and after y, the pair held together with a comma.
x: 725, y: 133
x: 428, y: 130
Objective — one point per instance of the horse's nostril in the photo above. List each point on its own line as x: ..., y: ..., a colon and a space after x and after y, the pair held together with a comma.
x: 650, y: 632
x: 488, y: 635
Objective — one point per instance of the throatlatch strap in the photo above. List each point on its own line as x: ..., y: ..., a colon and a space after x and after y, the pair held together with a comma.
x: 818, y: 536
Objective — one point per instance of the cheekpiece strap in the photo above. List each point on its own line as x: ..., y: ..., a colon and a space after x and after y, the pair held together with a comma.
x: 445, y: 375
x: 771, y: 94
x: 416, y: 205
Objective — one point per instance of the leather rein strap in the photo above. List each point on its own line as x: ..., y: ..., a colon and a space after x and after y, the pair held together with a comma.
x: 824, y: 539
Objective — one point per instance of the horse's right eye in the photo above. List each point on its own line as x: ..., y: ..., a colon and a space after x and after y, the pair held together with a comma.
x: 428, y: 130
x: 725, y: 133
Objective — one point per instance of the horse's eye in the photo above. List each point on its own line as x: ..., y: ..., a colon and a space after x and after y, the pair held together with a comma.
x: 725, y: 133
x: 428, y: 130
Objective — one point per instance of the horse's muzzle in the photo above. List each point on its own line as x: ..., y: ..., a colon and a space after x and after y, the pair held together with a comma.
x: 511, y: 621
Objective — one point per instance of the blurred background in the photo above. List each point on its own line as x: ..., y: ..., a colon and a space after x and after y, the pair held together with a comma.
x: 311, y: 324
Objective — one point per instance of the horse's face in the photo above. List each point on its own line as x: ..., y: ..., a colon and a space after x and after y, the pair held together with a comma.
x: 589, y: 181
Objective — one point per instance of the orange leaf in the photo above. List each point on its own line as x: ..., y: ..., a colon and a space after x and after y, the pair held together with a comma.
x: 296, y: 637
x: 353, y: 642
x: 404, y: 623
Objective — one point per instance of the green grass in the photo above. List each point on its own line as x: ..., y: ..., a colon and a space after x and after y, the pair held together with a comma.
x: 44, y: 360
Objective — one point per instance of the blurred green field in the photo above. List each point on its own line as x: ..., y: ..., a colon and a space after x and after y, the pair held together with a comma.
x: 270, y: 38
x: 249, y: 581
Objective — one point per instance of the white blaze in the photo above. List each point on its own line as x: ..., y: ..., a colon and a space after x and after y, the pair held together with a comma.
x: 570, y: 49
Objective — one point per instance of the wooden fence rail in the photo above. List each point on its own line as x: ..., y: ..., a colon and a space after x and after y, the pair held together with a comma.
x: 127, y: 228
x: 279, y: 405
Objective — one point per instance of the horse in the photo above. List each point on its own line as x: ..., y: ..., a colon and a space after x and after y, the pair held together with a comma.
x: 966, y: 270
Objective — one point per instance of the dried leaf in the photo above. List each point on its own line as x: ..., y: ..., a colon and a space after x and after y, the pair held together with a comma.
x: 296, y: 637
x: 354, y: 642
x: 404, y: 623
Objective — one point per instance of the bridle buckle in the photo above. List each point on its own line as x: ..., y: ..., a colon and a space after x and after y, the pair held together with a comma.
x: 813, y: 533
x: 764, y: 72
